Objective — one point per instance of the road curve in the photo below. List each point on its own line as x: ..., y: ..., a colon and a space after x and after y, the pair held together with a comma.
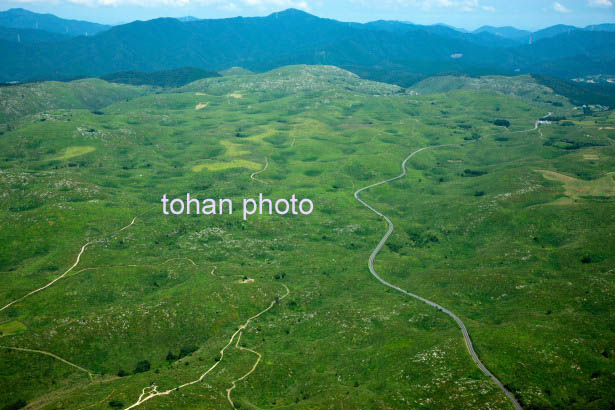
x: 464, y: 330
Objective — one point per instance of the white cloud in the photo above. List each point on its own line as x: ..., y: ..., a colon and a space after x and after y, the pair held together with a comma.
x: 228, y: 5
x: 600, y: 3
x: 560, y: 8
x: 427, y: 5
x: 265, y: 4
x: 488, y: 8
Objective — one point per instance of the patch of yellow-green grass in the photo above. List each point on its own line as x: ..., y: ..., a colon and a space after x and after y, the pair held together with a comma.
x: 12, y: 327
x: 220, y: 166
x: 591, y: 157
x: 307, y: 127
x: 302, y: 127
x: 267, y: 131
x: 233, y: 150
x: 577, y: 188
x: 75, y: 151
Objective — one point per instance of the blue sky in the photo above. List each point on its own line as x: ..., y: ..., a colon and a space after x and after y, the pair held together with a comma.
x: 470, y: 14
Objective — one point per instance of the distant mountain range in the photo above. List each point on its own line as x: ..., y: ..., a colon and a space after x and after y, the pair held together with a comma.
x: 26, y: 35
x: 24, y: 19
x: 505, y: 32
x: 375, y: 49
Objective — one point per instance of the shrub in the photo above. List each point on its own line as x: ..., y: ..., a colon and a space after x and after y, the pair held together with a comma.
x: 187, y: 350
x: 502, y: 123
x: 19, y: 404
x: 142, y: 366
x: 473, y: 173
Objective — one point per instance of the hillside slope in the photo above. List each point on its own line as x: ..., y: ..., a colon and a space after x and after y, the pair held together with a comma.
x: 19, y: 100
x: 293, y: 79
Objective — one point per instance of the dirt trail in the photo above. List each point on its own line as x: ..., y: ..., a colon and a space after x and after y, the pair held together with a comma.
x: 21, y: 349
x: 129, y: 225
x: 253, y: 176
x: 259, y: 356
x: 50, y: 283
x: 62, y: 275
x: 151, y: 391
x: 234, y: 383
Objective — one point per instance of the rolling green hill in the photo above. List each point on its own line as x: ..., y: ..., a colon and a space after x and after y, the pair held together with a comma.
x: 294, y: 79
x: 236, y: 71
x: 91, y: 94
x: 520, y: 86
x: 511, y: 231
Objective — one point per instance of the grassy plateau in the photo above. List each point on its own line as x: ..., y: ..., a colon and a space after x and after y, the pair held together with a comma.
x: 514, y: 232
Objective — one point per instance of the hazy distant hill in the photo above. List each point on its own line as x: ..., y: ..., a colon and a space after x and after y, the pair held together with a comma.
x: 187, y: 18
x: 295, y: 37
x: 483, y: 38
x: 553, y: 31
x: 601, y: 27
x: 505, y: 32
x: 25, y: 35
x: 20, y: 18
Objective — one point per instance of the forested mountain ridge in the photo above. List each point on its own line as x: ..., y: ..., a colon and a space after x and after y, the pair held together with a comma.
x: 295, y: 37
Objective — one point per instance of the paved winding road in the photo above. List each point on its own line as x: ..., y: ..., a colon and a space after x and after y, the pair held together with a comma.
x: 456, y: 318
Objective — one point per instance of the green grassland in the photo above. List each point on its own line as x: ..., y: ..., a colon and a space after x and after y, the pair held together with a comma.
x: 523, y: 256
x: 91, y: 93
x: 522, y: 86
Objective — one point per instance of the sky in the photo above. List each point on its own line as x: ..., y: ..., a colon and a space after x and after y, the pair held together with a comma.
x: 468, y: 14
